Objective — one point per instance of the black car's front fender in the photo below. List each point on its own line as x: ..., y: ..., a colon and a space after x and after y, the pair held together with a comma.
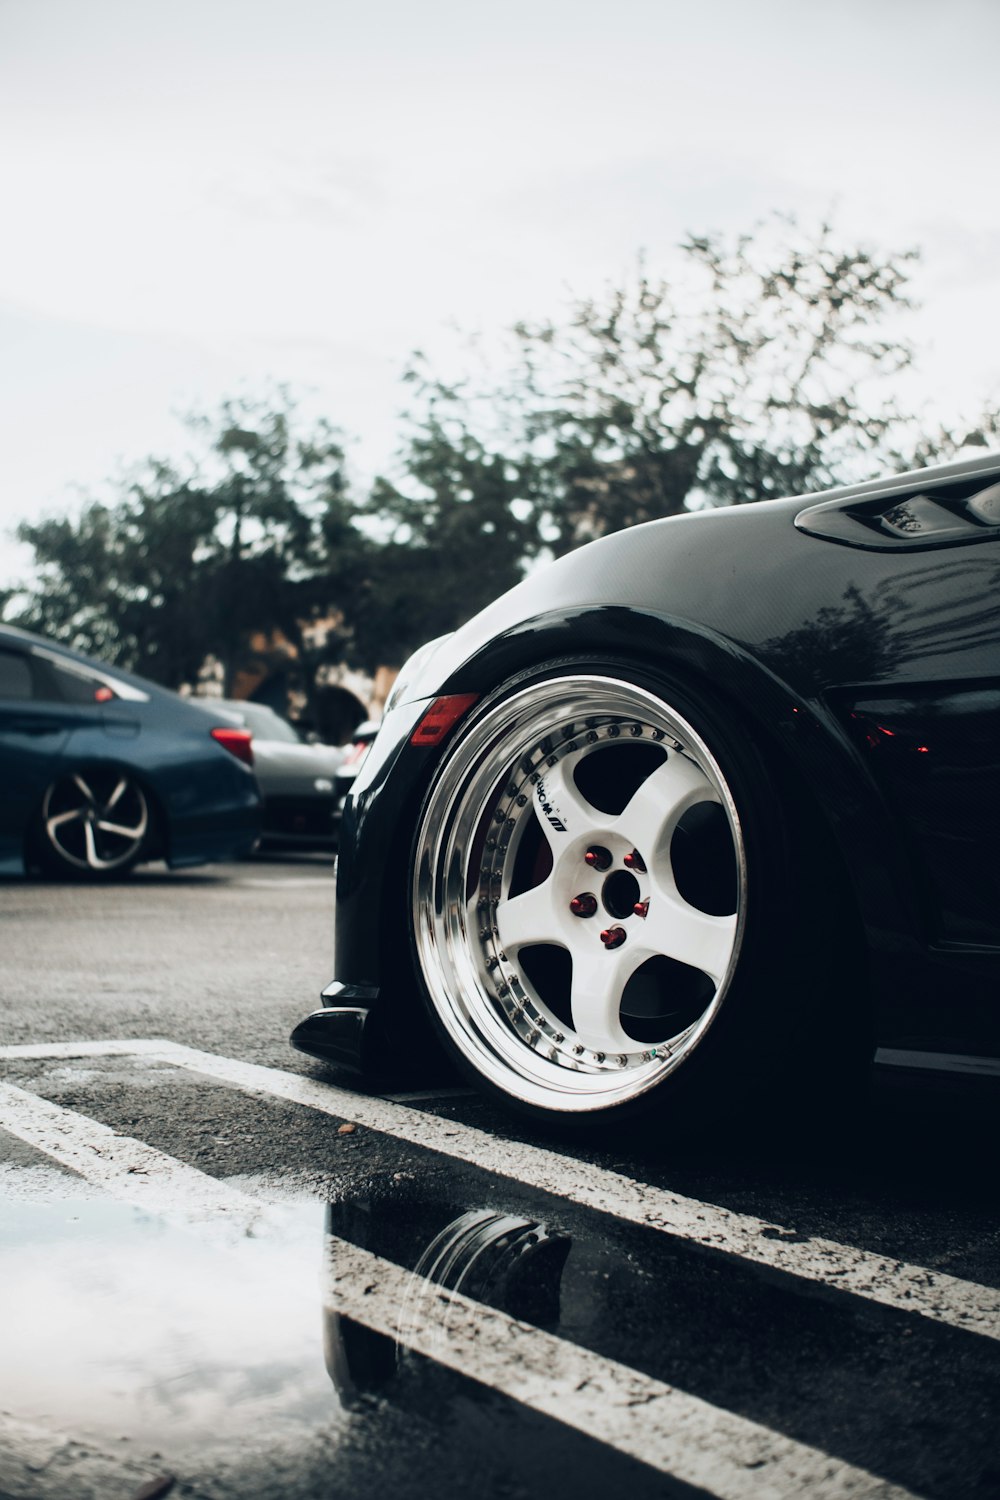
x: 818, y: 763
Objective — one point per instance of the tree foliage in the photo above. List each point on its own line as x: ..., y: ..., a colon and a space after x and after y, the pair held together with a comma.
x: 455, y: 533
x: 254, y: 536
x: 763, y: 367
x: 759, y: 370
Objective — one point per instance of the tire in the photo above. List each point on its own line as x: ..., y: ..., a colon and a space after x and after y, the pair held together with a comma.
x: 606, y: 905
x: 94, y: 823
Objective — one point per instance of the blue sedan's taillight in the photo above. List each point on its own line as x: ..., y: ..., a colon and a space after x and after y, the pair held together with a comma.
x: 237, y: 742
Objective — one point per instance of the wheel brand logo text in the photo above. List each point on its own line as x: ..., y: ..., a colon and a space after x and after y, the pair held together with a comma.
x: 547, y: 808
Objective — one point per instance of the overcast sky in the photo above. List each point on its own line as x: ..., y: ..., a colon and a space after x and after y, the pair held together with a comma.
x: 201, y: 195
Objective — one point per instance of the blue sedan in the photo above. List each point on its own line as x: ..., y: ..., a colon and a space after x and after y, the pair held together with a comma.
x: 100, y: 769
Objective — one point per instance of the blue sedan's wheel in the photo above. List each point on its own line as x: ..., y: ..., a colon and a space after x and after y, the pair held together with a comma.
x: 93, y: 822
x: 582, y: 889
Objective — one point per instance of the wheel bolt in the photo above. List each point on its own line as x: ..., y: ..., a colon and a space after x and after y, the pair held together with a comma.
x: 635, y: 861
x: 597, y: 857
x: 641, y: 908
x: 613, y: 937
x: 583, y: 906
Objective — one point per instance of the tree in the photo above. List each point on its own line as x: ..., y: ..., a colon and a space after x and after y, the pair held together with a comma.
x: 255, y: 535
x: 455, y: 532
x: 763, y: 369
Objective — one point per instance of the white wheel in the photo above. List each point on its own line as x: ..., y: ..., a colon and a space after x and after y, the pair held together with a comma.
x: 580, y: 891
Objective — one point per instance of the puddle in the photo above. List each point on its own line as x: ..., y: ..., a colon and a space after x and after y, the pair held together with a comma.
x: 221, y: 1355
x: 442, y: 1337
x: 118, y: 1325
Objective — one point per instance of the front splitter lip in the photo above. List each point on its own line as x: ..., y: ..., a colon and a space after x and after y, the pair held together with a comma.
x: 349, y: 1032
x: 335, y: 1034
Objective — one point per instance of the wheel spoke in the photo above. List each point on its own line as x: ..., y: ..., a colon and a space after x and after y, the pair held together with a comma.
x: 74, y: 815
x: 529, y: 918
x: 93, y: 858
x: 116, y: 794
x: 123, y: 833
x: 688, y: 935
x: 561, y: 811
x: 660, y: 802
x: 85, y: 789
x: 598, y: 983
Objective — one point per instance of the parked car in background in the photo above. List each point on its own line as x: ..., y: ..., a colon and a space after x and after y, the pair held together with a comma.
x: 298, y: 780
x: 100, y: 769
x: 354, y: 759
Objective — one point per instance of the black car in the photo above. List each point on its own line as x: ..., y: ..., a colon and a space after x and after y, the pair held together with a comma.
x: 701, y: 811
x: 100, y: 769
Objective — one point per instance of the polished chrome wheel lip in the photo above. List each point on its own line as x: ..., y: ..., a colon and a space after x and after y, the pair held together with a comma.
x: 488, y: 1009
x: 97, y: 817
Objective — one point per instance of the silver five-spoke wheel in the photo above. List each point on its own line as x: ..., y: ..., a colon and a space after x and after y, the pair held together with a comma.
x: 94, y: 822
x: 579, y: 892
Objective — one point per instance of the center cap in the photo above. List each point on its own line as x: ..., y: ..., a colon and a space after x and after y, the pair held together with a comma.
x: 620, y: 894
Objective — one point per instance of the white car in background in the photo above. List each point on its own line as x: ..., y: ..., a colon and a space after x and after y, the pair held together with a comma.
x: 354, y: 757
x: 298, y: 781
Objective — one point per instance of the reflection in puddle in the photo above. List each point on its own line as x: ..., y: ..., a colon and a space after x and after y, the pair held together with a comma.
x: 501, y: 1261
x: 213, y: 1347
x: 482, y: 1342
x: 117, y: 1324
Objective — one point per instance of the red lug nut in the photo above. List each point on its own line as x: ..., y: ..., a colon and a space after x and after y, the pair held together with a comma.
x: 641, y: 908
x: 613, y: 937
x: 583, y: 906
x: 597, y: 857
x: 635, y: 861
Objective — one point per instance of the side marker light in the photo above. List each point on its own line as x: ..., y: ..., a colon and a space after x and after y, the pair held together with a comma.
x: 441, y: 718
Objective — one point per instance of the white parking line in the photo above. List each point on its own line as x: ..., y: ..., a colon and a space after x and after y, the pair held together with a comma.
x: 844, y: 1268
x: 127, y: 1169
x: 681, y: 1435
x: 660, y: 1426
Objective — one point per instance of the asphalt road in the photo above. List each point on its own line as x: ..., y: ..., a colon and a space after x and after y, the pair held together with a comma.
x: 226, y: 1270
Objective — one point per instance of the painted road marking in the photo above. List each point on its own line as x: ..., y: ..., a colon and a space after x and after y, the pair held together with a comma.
x: 657, y: 1424
x: 843, y: 1268
x: 125, y: 1168
x: 676, y: 1433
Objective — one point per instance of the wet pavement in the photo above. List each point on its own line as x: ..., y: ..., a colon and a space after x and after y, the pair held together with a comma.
x: 220, y: 1334
x: 224, y: 1278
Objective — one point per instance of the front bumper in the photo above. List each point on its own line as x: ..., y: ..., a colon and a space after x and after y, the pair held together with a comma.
x: 372, y: 1018
x: 349, y: 1033
x: 341, y: 1032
